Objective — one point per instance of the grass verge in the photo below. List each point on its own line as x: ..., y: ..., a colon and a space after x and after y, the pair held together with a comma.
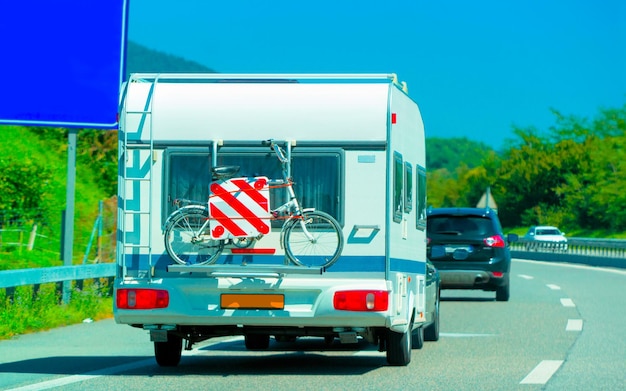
x: 29, y: 308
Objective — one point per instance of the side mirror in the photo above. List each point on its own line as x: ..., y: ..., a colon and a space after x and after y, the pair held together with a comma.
x: 512, y: 238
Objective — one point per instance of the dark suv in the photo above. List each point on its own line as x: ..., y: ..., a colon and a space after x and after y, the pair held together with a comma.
x: 470, y: 251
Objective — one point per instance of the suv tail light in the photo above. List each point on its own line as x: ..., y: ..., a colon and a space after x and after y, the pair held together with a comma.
x: 361, y: 300
x: 494, y: 241
x: 142, y: 299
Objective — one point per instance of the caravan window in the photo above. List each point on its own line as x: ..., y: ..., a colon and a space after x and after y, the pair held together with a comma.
x: 316, y: 175
x: 421, y: 198
x: 398, y: 193
x: 408, y: 187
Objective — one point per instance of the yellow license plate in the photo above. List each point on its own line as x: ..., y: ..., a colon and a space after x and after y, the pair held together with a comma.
x: 252, y: 301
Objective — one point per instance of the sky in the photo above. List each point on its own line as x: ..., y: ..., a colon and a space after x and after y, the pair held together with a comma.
x: 477, y: 69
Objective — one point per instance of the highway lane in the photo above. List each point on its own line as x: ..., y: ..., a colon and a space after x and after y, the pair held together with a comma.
x: 562, y: 329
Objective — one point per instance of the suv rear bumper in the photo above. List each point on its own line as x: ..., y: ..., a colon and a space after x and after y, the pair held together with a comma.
x: 471, y: 279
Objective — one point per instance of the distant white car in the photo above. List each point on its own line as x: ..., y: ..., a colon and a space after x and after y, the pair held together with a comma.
x: 545, y: 237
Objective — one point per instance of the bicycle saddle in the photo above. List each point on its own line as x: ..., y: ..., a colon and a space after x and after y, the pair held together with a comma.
x: 224, y: 172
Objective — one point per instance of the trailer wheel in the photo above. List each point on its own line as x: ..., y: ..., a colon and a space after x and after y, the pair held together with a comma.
x: 417, y: 338
x: 168, y: 353
x: 257, y: 341
x: 399, y: 347
x: 431, y: 332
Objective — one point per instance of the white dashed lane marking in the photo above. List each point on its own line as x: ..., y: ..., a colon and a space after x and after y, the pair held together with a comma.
x: 554, y: 287
x: 542, y: 372
x: 526, y: 277
x: 574, y: 325
x: 567, y: 303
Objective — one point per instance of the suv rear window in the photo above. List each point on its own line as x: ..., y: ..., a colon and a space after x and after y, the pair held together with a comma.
x: 459, y: 226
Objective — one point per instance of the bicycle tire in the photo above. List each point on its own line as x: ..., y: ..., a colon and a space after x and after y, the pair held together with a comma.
x: 326, y: 247
x: 184, y: 246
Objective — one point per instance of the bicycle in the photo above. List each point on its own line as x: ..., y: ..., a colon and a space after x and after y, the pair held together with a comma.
x: 194, y: 235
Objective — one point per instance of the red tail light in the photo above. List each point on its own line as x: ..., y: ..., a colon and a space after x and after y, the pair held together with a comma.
x: 497, y: 274
x: 142, y: 299
x: 362, y: 300
x: 494, y: 241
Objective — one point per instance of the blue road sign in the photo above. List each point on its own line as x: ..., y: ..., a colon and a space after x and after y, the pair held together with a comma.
x: 62, y: 62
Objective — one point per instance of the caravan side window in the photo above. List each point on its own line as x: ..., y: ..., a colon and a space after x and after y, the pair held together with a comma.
x: 421, y: 198
x: 316, y: 175
x: 398, y: 193
x: 408, y: 187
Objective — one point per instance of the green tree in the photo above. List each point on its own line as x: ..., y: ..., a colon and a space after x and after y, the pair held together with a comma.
x: 530, y: 175
x: 455, y: 176
x: 23, y: 187
x: 595, y: 198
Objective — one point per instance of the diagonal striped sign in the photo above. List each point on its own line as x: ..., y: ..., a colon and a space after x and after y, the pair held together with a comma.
x: 239, y: 208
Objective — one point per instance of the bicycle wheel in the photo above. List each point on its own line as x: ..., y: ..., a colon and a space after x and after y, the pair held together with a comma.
x: 314, y: 240
x: 185, y: 244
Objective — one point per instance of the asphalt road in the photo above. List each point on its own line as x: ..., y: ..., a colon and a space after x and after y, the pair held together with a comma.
x: 563, y: 329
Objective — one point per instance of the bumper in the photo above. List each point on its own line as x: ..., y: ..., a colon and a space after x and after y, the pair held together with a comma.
x: 471, y: 279
x: 305, y: 303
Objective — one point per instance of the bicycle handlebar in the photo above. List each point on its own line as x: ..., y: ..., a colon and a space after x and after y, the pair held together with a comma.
x: 277, y: 149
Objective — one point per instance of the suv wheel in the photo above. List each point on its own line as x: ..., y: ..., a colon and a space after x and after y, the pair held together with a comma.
x: 503, y: 293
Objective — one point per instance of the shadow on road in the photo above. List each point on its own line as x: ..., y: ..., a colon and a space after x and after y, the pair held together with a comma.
x: 305, y: 356
x: 459, y: 298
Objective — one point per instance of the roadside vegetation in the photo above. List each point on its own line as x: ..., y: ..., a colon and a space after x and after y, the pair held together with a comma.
x: 571, y: 176
x: 26, y: 308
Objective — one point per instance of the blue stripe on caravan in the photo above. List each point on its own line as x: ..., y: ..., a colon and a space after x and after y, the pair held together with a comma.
x: 407, y: 266
x: 347, y: 263
x: 344, y: 264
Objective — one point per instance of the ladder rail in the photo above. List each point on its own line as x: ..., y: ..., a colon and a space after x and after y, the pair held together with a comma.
x: 143, y: 242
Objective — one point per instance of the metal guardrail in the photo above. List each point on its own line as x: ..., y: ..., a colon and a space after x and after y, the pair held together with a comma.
x: 18, y: 277
x: 593, y: 252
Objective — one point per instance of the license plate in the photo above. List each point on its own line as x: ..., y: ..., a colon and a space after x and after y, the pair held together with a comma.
x: 452, y: 249
x: 252, y: 301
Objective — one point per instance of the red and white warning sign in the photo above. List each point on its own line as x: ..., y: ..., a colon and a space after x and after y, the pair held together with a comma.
x: 239, y: 208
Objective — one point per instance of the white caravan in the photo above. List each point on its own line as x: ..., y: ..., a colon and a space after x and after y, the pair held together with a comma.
x: 353, y: 151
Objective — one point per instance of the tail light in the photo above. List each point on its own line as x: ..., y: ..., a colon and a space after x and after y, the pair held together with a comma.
x: 142, y: 299
x: 494, y: 241
x: 361, y: 300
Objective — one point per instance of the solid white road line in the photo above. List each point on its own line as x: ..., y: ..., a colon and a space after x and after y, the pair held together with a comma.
x: 568, y: 303
x: 554, y: 287
x: 574, y: 325
x: 569, y: 265
x: 542, y: 372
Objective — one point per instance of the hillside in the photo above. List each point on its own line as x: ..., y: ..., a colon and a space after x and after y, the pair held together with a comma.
x: 141, y: 59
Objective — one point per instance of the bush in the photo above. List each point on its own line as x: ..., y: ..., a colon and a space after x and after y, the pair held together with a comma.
x: 28, y: 308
